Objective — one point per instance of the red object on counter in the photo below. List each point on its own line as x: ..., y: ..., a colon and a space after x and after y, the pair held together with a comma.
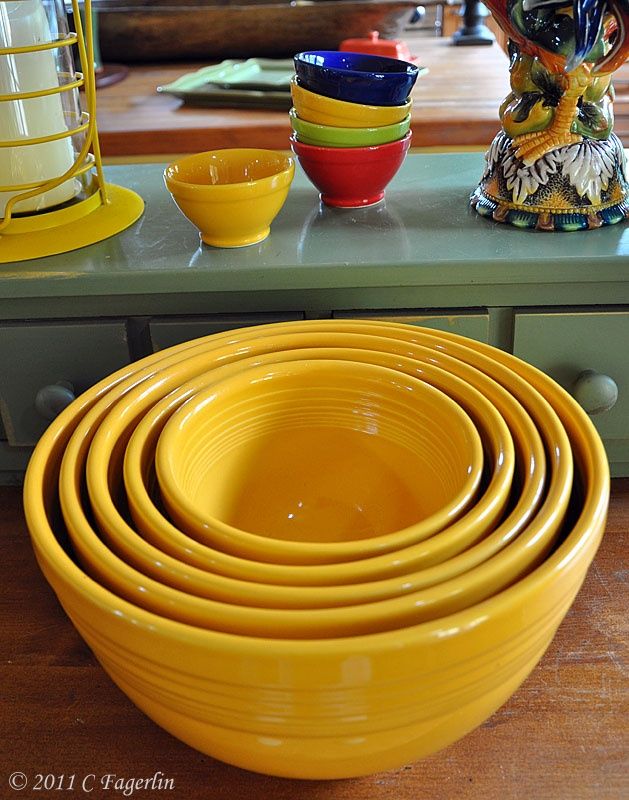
x: 374, y: 45
x: 351, y: 177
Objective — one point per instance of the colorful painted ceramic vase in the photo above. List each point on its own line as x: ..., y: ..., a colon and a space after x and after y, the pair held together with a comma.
x: 556, y: 165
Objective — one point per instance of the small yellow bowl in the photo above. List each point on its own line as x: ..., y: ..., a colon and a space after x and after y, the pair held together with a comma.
x: 186, y: 371
x: 295, y: 455
x: 231, y: 195
x: 322, y: 110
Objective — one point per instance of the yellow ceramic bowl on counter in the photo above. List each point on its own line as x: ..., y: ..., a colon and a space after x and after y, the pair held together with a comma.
x: 288, y: 707
x: 321, y: 110
x: 296, y: 455
x: 231, y: 195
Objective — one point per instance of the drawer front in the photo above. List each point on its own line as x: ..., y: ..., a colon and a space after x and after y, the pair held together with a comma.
x: 35, y: 357
x: 169, y: 331
x: 566, y: 345
x: 475, y: 326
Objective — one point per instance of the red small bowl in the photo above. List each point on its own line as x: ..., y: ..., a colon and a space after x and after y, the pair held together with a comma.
x: 351, y: 177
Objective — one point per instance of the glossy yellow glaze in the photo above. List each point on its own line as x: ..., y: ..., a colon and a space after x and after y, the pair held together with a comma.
x: 321, y: 110
x: 156, y: 528
x: 317, y: 451
x: 473, y: 526
x: 470, y: 528
x: 103, y: 468
x: 231, y: 195
x: 289, y: 707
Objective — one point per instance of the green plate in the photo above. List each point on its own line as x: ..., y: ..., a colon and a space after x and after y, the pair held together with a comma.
x: 254, y: 83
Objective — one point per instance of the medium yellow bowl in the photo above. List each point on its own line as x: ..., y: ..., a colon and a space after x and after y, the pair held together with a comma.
x: 111, y: 432
x: 527, y: 551
x: 294, y: 455
x: 103, y: 467
x: 289, y: 707
x: 111, y: 426
x: 203, y: 575
x: 231, y: 195
x: 321, y: 110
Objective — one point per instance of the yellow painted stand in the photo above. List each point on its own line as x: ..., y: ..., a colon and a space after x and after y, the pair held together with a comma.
x: 109, y: 210
x: 72, y: 227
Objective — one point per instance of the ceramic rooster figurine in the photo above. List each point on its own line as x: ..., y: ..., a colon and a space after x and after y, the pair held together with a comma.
x: 556, y: 165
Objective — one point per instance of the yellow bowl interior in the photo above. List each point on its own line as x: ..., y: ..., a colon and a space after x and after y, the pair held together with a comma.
x: 420, y: 605
x: 319, y: 451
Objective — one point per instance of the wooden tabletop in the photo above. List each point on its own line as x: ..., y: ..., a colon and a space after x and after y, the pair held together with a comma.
x: 562, y: 736
x: 455, y: 104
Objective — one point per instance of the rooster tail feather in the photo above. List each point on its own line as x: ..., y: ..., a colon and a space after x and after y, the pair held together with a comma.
x: 588, y: 21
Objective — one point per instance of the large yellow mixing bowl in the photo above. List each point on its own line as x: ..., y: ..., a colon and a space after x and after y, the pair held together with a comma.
x: 327, y: 708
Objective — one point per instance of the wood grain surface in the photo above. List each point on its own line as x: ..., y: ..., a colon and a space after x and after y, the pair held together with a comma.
x: 455, y: 105
x: 562, y: 736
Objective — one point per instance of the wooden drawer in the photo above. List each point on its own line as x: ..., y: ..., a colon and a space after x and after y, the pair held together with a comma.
x: 35, y: 356
x: 169, y: 331
x: 474, y: 325
x: 564, y: 345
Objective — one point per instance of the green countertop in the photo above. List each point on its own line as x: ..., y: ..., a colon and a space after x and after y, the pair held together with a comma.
x: 422, y: 244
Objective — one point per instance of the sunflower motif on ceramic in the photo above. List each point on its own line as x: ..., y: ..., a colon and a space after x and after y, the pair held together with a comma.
x: 556, y: 164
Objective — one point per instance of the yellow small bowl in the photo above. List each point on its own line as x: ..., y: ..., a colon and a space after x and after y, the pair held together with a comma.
x: 321, y: 110
x: 231, y: 195
x: 292, y: 456
x: 183, y: 372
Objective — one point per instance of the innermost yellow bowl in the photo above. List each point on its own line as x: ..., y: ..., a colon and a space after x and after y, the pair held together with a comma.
x: 319, y: 484
x: 312, y: 451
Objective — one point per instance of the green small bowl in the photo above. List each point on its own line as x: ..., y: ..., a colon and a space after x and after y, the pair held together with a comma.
x: 329, y: 136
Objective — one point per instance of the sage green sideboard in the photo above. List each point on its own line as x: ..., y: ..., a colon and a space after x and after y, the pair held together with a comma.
x: 560, y: 301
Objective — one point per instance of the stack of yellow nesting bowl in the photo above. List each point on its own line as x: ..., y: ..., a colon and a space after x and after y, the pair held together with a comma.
x: 351, y: 120
x: 319, y: 549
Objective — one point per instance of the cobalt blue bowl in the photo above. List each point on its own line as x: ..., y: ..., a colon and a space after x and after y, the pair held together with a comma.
x: 356, y: 77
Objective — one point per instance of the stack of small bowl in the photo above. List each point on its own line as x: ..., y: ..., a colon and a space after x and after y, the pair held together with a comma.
x: 351, y: 122
x: 319, y: 549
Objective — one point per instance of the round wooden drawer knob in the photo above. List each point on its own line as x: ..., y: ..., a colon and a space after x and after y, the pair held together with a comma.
x: 51, y: 400
x: 595, y: 393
